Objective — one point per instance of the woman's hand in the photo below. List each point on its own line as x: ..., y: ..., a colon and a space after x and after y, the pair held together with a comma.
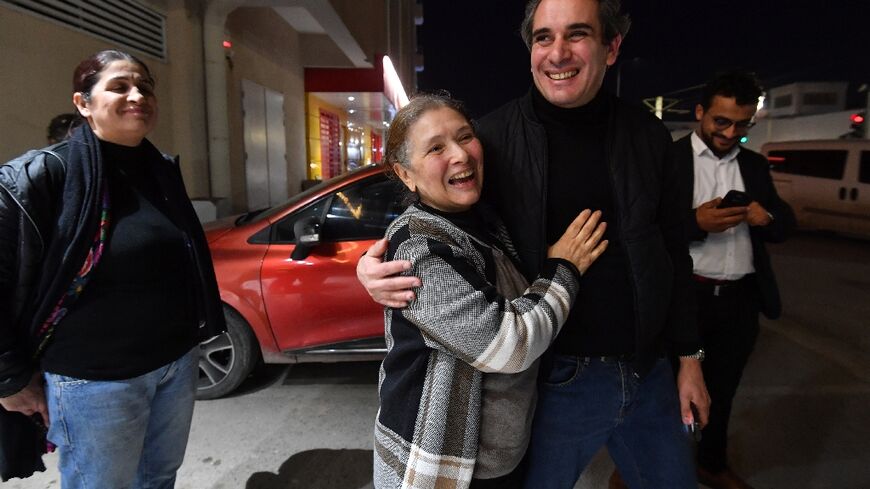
x: 581, y: 244
x: 30, y: 401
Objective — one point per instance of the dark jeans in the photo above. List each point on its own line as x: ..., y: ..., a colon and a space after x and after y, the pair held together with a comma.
x: 588, y: 403
x: 513, y: 480
x: 729, y: 328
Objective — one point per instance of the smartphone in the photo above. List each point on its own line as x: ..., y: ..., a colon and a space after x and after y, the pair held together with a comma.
x: 735, y: 198
x: 693, y: 429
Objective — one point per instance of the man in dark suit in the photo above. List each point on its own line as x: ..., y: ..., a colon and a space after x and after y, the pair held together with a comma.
x: 732, y: 274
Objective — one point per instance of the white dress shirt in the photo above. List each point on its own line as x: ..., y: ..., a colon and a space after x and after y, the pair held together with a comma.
x: 726, y: 255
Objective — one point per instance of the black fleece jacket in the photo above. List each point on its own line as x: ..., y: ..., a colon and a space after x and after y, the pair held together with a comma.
x: 647, y: 198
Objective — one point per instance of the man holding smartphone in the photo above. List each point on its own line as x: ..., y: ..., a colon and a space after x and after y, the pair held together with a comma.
x: 733, y: 279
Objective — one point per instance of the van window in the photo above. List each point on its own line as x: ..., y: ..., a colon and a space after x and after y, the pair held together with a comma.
x: 782, y: 101
x: 864, y: 171
x: 810, y: 162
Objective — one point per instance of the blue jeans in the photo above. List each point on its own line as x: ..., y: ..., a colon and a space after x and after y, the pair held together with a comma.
x: 588, y: 403
x: 125, y: 434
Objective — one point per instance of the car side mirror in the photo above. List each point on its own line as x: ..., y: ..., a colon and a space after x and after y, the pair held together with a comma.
x: 307, y: 236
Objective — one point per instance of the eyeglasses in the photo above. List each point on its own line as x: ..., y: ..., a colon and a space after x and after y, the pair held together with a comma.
x: 722, y: 123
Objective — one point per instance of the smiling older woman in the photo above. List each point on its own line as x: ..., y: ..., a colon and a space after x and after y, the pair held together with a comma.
x: 457, y: 386
x: 106, y: 289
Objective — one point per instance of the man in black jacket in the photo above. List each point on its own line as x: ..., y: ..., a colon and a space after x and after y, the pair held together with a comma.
x: 732, y: 273
x: 562, y: 148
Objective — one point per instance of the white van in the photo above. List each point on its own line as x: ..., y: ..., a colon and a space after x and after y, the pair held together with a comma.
x: 827, y: 182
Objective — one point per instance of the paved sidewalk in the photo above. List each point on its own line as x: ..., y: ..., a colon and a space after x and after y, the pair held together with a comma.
x: 799, y: 422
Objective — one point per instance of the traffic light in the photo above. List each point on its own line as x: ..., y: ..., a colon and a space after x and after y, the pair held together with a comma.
x: 857, y: 125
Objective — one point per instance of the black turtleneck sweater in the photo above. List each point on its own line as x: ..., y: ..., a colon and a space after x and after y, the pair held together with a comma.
x: 578, y: 177
x: 136, y: 313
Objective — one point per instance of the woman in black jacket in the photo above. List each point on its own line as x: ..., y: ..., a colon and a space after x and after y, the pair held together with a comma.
x: 106, y: 287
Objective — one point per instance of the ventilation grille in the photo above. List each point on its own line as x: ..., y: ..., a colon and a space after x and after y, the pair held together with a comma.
x: 123, y: 22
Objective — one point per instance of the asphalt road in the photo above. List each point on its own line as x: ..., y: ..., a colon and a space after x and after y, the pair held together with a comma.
x: 800, y: 417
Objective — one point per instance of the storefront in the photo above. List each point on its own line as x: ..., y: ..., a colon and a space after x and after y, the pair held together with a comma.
x: 348, y: 111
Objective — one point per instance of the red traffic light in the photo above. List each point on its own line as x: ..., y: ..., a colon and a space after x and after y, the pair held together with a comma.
x: 857, y: 118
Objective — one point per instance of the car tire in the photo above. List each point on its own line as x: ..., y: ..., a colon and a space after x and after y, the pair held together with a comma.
x: 226, y: 360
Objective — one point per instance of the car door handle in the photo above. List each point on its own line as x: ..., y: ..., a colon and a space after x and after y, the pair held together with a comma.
x: 853, y: 194
x: 842, y: 193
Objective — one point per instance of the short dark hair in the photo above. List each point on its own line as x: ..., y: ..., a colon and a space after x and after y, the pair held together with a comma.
x: 738, y: 83
x: 609, y: 16
x: 60, y: 127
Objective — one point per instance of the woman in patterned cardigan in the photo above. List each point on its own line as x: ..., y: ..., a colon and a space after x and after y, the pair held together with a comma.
x: 457, y: 387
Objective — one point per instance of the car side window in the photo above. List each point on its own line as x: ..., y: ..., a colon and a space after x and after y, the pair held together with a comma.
x: 362, y: 211
x: 283, y: 230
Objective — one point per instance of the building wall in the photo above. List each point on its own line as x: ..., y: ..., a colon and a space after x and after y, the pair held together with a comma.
x: 186, y: 100
x: 402, y: 41
x: 265, y: 51
x: 37, y: 78
x: 367, y: 22
x: 384, y: 28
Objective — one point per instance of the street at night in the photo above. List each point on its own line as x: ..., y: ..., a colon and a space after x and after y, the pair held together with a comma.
x: 799, y: 418
x: 198, y: 234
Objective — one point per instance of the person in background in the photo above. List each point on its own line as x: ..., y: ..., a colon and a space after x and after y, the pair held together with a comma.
x: 107, y: 289
x: 733, y: 279
x: 60, y: 127
x: 457, y: 385
x: 564, y: 147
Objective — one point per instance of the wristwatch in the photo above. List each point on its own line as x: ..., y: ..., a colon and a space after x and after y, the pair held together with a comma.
x: 698, y: 355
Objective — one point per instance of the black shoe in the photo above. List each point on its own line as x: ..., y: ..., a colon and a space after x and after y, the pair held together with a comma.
x: 725, y: 479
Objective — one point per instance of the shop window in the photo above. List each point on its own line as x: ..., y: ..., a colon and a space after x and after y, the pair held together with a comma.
x: 330, y: 144
x: 377, y: 151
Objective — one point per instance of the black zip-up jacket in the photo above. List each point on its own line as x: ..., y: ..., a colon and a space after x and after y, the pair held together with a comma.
x: 646, y: 189
x: 30, y: 192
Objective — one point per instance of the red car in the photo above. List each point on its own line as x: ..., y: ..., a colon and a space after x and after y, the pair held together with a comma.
x: 287, y: 278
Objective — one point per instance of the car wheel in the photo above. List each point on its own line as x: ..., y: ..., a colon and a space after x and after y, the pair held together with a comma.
x: 225, y: 361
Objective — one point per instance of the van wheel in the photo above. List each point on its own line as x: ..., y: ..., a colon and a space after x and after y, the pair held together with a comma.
x: 226, y: 360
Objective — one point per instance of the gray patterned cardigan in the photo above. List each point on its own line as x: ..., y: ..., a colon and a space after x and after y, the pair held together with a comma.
x: 473, y: 314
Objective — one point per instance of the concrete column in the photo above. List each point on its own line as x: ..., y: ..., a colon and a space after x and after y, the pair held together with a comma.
x: 216, y: 95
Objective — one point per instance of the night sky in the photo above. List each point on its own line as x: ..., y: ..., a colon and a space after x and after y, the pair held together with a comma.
x: 473, y: 49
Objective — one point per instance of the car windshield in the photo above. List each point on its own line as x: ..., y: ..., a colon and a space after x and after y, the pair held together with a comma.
x: 264, y: 214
